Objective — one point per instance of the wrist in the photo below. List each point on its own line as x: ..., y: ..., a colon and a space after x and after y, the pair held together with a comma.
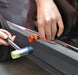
x: 38, y: 2
x: 42, y: 2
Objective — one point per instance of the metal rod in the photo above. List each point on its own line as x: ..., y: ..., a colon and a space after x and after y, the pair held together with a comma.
x: 13, y: 44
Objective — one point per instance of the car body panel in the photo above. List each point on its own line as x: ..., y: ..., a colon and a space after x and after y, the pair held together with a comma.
x: 53, y: 57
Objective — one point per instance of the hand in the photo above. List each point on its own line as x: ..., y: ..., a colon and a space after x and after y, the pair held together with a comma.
x: 48, y: 17
x: 3, y: 35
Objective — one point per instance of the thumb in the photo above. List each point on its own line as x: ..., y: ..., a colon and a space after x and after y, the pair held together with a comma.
x: 13, y: 38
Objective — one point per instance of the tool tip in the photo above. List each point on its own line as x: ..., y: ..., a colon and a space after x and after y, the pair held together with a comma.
x: 31, y: 38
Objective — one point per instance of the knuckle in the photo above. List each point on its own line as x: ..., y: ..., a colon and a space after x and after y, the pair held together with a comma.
x: 48, y: 38
x: 49, y: 35
x: 53, y: 35
x: 42, y: 38
x: 53, y: 32
x: 59, y: 16
x: 6, y: 44
x: 62, y: 27
x: 47, y: 19
x: 40, y: 23
x: 9, y: 34
x: 53, y: 18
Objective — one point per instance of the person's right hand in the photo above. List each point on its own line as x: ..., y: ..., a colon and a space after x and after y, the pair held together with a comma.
x: 3, y: 35
x: 48, y: 17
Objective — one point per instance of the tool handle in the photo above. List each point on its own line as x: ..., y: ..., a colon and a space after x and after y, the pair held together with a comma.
x: 12, y: 43
x: 22, y: 52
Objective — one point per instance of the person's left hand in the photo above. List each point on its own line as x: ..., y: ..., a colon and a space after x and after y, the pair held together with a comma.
x: 3, y: 35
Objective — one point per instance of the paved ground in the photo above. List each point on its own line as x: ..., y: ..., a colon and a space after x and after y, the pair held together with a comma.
x: 21, y: 66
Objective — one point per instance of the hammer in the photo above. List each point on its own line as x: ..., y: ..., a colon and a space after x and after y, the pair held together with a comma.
x: 19, y: 52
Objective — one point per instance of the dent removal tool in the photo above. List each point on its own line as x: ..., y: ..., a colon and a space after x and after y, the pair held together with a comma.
x: 19, y: 52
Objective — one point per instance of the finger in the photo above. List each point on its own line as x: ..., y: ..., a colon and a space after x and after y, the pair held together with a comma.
x: 54, y: 29
x: 3, y: 35
x: 3, y: 42
x: 6, y: 32
x: 13, y: 38
x: 41, y: 31
x: 61, y: 27
x: 48, y: 30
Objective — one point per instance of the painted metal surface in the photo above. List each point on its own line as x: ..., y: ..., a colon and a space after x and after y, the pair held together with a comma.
x: 26, y: 32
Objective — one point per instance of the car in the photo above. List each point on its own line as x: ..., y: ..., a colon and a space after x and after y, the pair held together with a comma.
x: 59, y: 57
